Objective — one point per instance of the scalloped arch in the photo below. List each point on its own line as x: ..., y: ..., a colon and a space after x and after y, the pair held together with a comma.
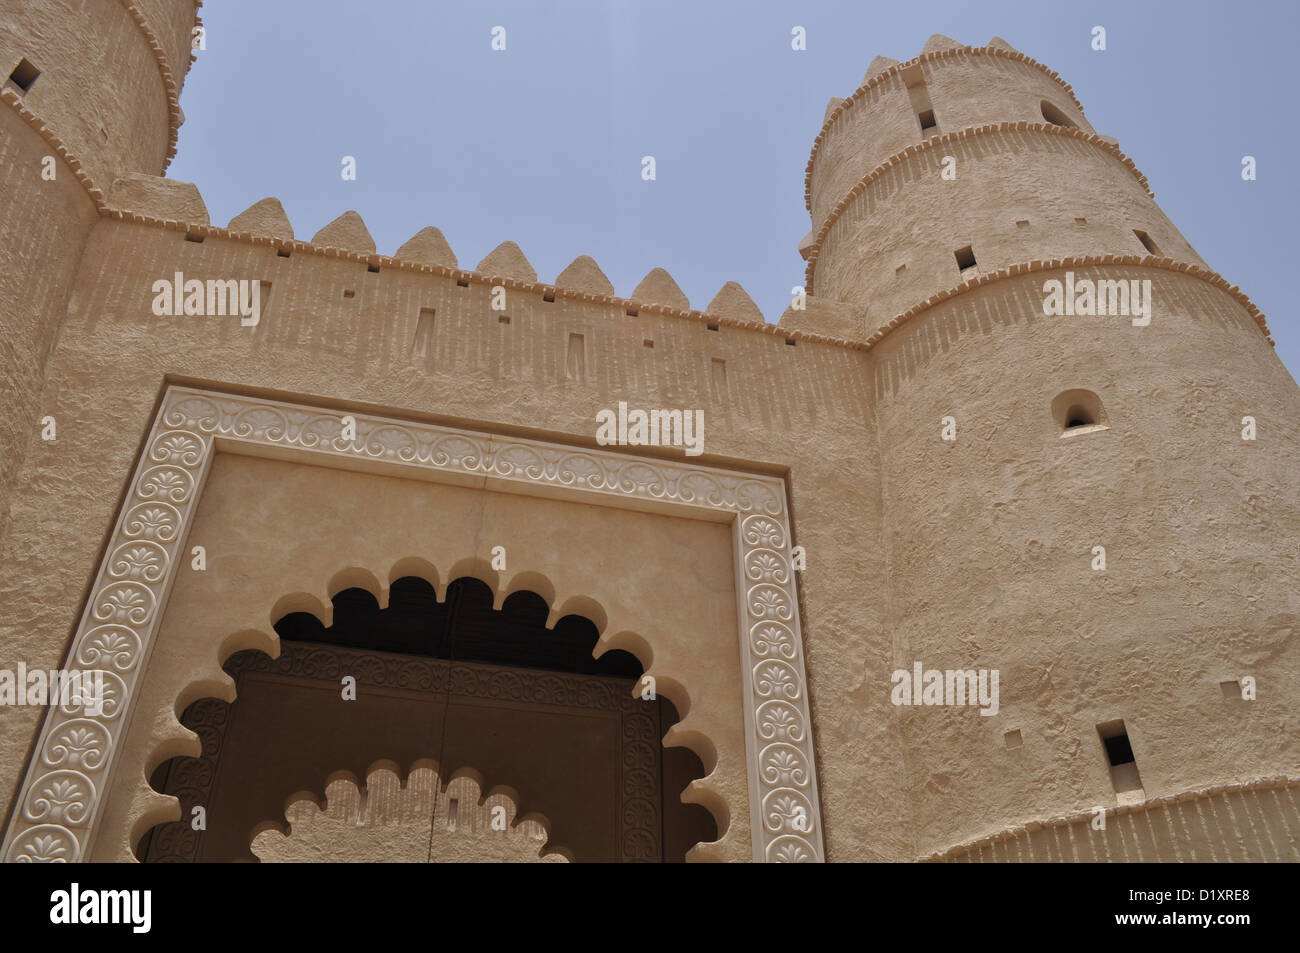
x: 409, y: 813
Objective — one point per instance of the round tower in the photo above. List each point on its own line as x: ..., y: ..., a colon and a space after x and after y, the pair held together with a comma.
x: 104, y: 77
x: 1097, y: 502
x: 88, y: 91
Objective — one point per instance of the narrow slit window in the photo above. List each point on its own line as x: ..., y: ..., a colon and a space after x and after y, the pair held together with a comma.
x: 576, y: 359
x: 1120, y: 759
x: 422, y: 341
x: 919, y: 97
x: 1146, y: 241
x: 965, y: 257
x: 24, y: 75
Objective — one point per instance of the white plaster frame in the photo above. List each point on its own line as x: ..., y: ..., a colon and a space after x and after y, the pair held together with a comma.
x: 65, y: 788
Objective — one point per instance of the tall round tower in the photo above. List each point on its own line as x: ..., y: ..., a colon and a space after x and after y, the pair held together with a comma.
x: 88, y: 91
x: 1088, y: 470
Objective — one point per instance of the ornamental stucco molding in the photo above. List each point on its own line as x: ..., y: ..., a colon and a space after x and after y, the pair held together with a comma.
x: 72, y: 768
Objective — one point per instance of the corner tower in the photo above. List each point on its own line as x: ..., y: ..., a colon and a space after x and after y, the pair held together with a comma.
x: 104, y: 77
x: 1103, y: 527
x: 958, y: 163
x: 88, y: 91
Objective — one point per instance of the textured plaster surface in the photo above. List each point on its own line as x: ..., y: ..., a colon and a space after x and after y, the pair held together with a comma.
x: 974, y: 552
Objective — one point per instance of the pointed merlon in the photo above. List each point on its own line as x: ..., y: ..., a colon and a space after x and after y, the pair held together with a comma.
x: 1000, y: 44
x: 658, y: 287
x: 806, y: 246
x: 167, y: 199
x: 585, y: 275
x: 428, y: 247
x: 733, y: 302
x: 348, y: 232
x: 266, y: 217
x: 831, y: 107
x: 507, y: 261
x: 939, y: 42
x: 878, y: 66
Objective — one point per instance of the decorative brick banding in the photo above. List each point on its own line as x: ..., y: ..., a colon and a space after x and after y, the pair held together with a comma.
x: 169, y: 82
x: 929, y: 145
x: 775, y: 330
x: 880, y: 77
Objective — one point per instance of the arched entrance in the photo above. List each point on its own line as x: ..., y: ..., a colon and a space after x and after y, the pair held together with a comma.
x: 455, y: 683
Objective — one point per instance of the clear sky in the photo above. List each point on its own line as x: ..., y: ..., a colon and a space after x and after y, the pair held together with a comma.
x: 542, y: 143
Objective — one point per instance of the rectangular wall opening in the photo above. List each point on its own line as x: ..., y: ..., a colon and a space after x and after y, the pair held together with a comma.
x: 422, y: 341
x: 1121, y: 760
x: 914, y: 80
x: 965, y: 257
x: 576, y: 362
x: 24, y: 75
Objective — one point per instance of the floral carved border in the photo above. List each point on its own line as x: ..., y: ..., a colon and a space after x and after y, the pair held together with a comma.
x: 64, y: 791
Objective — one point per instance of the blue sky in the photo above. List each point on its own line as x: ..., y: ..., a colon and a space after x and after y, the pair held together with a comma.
x: 542, y: 144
